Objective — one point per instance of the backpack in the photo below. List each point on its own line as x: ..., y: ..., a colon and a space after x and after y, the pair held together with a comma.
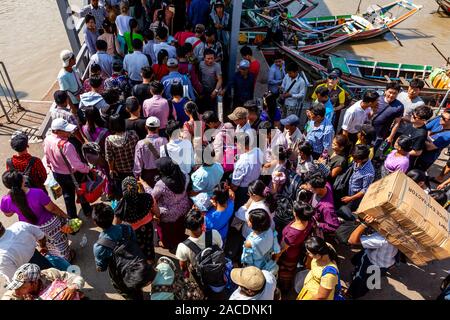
x: 210, y: 263
x: 26, y: 173
x: 337, y: 292
x: 92, y: 150
x: 285, y: 201
x: 128, y: 264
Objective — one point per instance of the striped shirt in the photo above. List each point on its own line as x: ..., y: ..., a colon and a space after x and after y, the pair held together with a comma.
x: 361, y: 178
x: 379, y: 251
x: 320, y: 137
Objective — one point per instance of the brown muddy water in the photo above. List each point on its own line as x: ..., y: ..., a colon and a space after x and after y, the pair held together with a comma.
x: 32, y: 36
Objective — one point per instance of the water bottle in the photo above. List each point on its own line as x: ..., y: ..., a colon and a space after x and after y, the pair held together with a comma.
x: 84, y: 241
x: 220, y: 107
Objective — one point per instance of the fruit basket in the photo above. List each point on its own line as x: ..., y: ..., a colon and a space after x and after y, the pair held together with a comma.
x: 72, y: 226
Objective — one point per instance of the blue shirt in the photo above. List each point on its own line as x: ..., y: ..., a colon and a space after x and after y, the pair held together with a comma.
x: 218, y: 220
x: 441, y: 139
x: 265, y: 116
x: 276, y: 76
x: 361, y: 178
x: 90, y: 38
x: 385, y: 115
x: 248, y: 168
x: 175, y: 76
x: 329, y: 110
x: 206, y: 178
x: 179, y: 109
x: 199, y: 12
x: 103, y: 254
x: 320, y: 137
x: 263, y: 245
x: 243, y: 88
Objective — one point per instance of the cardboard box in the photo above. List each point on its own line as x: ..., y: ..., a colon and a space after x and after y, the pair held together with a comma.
x: 408, y: 217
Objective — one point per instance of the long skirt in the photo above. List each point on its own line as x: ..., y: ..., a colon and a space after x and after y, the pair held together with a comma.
x: 286, y: 274
x: 57, y: 241
x: 144, y: 236
x: 172, y: 233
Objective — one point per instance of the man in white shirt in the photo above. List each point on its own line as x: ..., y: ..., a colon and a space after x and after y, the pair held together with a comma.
x: 293, y: 90
x: 162, y: 37
x: 253, y: 283
x: 18, y: 246
x: 377, y: 252
x: 356, y: 115
x: 240, y: 119
x: 134, y: 62
x: 179, y: 150
x: 246, y: 170
x: 291, y: 131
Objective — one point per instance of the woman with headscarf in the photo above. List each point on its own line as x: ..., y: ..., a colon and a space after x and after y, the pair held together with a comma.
x: 173, y: 201
x: 138, y: 210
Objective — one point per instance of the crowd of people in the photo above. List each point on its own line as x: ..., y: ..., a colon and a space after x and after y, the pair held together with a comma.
x: 253, y: 203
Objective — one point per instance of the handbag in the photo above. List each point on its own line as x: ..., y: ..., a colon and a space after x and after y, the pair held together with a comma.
x: 89, y: 190
x: 53, y: 186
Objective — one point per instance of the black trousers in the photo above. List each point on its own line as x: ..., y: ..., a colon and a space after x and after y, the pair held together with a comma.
x: 358, y: 287
x: 69, y: 194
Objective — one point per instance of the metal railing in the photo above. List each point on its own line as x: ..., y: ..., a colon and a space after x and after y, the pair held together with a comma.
x: 8, y: 95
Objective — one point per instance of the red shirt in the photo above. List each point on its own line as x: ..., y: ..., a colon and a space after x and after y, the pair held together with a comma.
x: 160, y: 71
x: 254, y: 69
x: 181, y: 36
x: 38, y: 174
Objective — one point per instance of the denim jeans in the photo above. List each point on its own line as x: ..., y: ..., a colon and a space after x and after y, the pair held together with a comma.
x: 68, y: 190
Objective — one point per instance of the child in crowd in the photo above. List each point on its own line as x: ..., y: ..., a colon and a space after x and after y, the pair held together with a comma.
x: 398, y: 159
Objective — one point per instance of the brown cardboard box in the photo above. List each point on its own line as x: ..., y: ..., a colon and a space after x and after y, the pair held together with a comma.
x: 408, y: 217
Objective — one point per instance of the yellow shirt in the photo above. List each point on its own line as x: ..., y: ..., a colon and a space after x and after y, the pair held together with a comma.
x: 371, y: 152
x: 336, y: 91
x: 314, y: 281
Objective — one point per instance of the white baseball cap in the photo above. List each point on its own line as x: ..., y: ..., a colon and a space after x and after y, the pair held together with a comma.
x: 152, y: 122
x: 62, y: 125
x: 65, y: 56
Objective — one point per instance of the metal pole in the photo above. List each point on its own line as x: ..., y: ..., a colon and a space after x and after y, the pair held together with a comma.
x: 69, y: 24
x: 235, y: 27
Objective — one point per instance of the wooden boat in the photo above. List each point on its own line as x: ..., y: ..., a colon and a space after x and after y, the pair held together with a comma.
x: 444, y: 5
x: 311, y: 45
x: 250, y: 17
x: 374, y: 22
x: 363, y: 73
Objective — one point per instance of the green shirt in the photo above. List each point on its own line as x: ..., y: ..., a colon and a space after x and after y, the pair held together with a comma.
x: 127, y: 36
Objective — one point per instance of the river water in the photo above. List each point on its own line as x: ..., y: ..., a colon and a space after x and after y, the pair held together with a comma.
x: 32, y: 36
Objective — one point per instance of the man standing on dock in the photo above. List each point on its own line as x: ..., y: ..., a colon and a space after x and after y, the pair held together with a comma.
x: 69, y: 78
x: 96, y: 10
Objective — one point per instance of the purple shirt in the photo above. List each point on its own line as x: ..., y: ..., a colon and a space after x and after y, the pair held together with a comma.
x: 143, y: 157
x: 158, y: 107
x: 396, y: 163
x: 37, y: 200
x: 325, y: 215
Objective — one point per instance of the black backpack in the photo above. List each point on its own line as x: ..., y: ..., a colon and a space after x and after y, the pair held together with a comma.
x: 283, y: 214
x: 128, y: 264
x: 210, y: 263
x: 25, y: 173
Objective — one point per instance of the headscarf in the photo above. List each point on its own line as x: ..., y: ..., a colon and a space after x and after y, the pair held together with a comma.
x: 134, y: 206
x: 171, y: 175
